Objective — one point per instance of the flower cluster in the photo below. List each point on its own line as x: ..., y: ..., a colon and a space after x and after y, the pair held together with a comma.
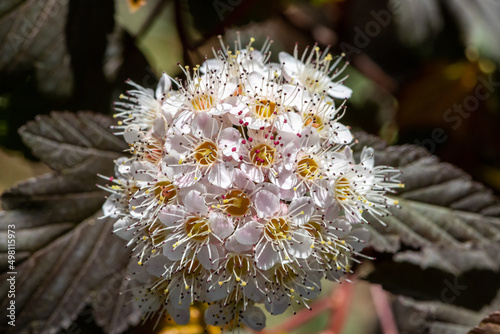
x: 242, y: 187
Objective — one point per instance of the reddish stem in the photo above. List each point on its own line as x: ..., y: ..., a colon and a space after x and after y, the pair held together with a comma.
x: 383, y: 309
x: 341, y: 304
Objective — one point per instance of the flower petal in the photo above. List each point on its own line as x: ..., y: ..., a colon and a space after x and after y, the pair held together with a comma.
x: 171, y: 214
x: 242, y: 181
x: 163, y: 86
x: 217, y: 292
x: 277, y: 304
x: 233, y: 245
x: 205, y: 125
x: 229, y: 141
x: 290, y: 194
x: 138, y: 271
x: 254, y: 318
x: 285, y: 179
x: 133, y: 134
x: 211, y: 65
x: 218, y: 315
x: 122, y: 228
x: 367, y: 157
x: 207, y: 256
x: 177, y: 143
x: 221, y: 175
x: 180, y: 315
x: 339, y: 227
x: 171, y: 252
x: 361, y: 236
x: 289, y: 122
x: 229, y: 88
x: 156, y: 266
x: 143, y: 170
x: 194, y: 202
x: 320, y: 194
x: 221, y: 225
x: 341, y: 134
x: 302, y: 242
x: 266, y: 203
x: 253, y: 172
x: 331, y: 213
x: 249, y: 234
x: 340, y: 91
x: 266, y: 256
x: 301, y: 209
x: 291, y: 66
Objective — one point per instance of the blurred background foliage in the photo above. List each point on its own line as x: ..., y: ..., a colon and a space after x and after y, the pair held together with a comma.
x: 423, y: 72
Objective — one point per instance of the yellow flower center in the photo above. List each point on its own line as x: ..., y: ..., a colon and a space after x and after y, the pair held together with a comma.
x: 277, y: 229
x: 342, y: 189
x: 197, y: 228
x: 313, y: 228
x: 313, y: 120
x: 165, y: 192
x: 238, y: 265
x: 237, y: 203
x: 206, y: 153
x: 265, y: 109
x: 307, y: 168
x: 202, y: 102
x: 262, y: 155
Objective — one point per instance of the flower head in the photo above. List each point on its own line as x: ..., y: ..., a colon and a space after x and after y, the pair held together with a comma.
x: 242, y: 188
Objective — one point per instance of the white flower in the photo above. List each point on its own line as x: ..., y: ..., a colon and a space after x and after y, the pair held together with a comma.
x: 195, y: 231
x: 155, y: 191
x: 265, y: 99
x: 278, y: 235
x: 335, y: 245
x: 147, y: 148
x: 315, y: 113
x: 172, y: 293
x: 362, y: 187
x: 142, y: 106
x: 122, y: 189
x: 236, y: 201
x: 240, y: 61
x: 236, y: 278
x: 202, y: 154
x: 144, y: 238
x: 261, y: 151
x: 205, y: 93
x: 315, y: 72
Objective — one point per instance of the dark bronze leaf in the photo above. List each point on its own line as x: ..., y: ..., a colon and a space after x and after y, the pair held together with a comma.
x: 64, y: 253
